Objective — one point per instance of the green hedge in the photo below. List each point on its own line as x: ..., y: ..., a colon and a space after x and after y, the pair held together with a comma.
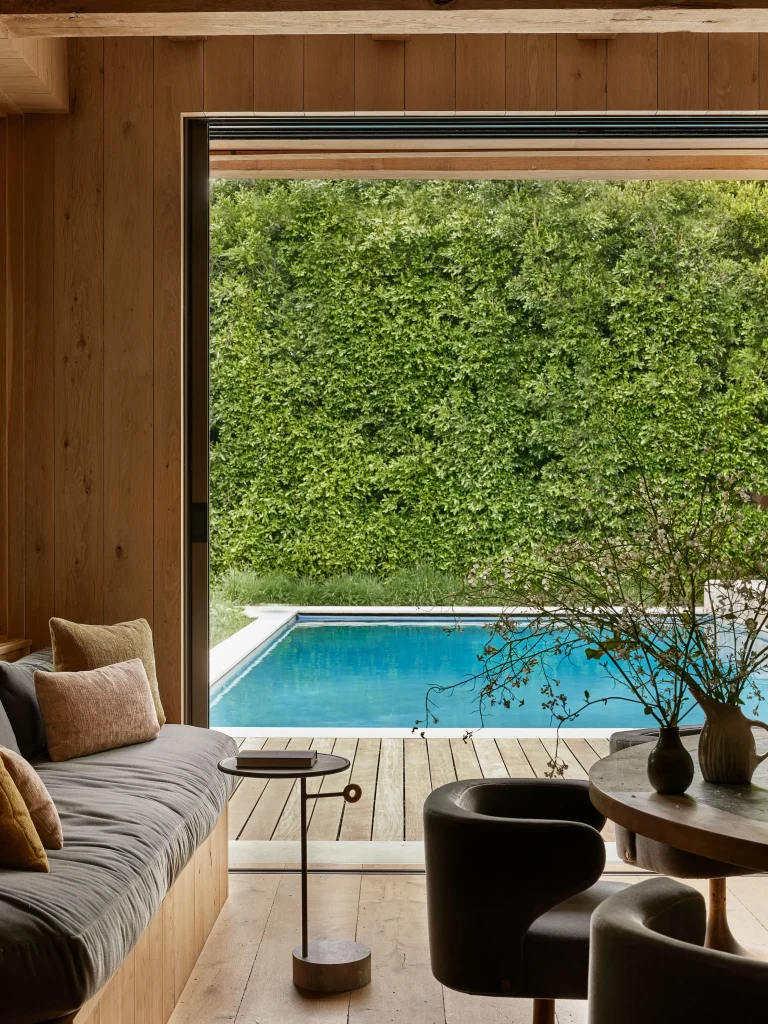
x: 411, y: 373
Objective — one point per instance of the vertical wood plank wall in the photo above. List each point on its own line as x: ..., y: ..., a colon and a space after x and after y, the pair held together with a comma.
x: 90, y: 300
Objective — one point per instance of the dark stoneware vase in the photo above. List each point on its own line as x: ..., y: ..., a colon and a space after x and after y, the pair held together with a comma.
x: 670, y: 766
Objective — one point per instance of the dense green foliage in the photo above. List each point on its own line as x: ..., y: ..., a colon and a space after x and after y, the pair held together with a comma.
x: 412, y: 373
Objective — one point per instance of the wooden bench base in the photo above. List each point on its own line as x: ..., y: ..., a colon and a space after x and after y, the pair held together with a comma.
x: 149, y: 983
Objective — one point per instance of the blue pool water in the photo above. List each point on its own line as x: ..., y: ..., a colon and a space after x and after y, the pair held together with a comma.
x: 363, y: 673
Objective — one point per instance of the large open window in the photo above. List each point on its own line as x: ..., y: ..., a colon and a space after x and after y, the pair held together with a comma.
x: 623, y: 269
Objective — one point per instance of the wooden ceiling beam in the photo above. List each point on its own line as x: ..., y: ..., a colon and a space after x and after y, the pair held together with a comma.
x: 179, y: 18
x: 33, y: 76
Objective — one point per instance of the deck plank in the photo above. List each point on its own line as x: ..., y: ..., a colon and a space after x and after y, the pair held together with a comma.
x: 272, y: 801
x: 491, y: 762
x: 583, y: 752
x: 326, y: 820
x: 357, y: 819
x: 537, y: 756
x: 574, y: 769
x: 465, y: 759
x: 441, y: 767
x: 288, y: 825
x: 601, y: 747
x: 517, y: 763
x: 417, y: 786
x: 248, y: 793
x: 388, y: 817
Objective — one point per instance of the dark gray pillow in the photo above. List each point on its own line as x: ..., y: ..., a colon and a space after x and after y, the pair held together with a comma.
x: 17, y: 696
x: 7, y: 738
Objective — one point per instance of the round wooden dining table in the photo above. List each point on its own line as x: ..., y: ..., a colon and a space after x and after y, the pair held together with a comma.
x: 724, y: 823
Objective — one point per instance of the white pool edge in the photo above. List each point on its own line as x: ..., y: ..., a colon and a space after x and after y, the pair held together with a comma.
x: 236, y: 648
x: 436, y: 734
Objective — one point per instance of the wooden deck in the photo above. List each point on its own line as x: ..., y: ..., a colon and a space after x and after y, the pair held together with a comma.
x: 396, y: 776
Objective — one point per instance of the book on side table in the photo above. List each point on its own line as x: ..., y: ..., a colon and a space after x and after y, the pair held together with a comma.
x: 276, y: 758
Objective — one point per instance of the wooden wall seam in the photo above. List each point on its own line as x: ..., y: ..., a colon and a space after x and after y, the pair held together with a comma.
x: 79, y: 330
x: 14, y: 406
x: 128, y: 328
x: 39, y: 385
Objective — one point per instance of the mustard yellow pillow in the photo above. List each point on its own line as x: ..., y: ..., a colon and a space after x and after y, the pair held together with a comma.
x: 20, y: 846
x: 38, y: 801
x: 79, y: 648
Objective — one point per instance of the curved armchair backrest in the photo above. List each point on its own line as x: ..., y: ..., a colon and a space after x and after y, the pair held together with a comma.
x: 499, y: 853
x: 648, y: 965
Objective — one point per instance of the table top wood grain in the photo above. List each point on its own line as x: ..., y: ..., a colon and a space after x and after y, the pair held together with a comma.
x: 726, y: 823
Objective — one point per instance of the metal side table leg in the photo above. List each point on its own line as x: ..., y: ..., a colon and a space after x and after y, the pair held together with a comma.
x: 326, y: 965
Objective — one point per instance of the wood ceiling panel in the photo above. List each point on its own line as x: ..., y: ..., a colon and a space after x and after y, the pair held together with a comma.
x: 531, y: 72
x: 278, y: 63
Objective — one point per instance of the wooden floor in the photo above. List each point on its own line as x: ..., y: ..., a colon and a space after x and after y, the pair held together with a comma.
x: 396, y: 776
x: 243, y: 975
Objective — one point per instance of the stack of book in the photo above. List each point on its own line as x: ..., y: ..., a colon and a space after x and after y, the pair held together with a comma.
x: 300, y: 759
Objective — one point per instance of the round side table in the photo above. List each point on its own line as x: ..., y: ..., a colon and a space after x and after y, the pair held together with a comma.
x: 324, y: 965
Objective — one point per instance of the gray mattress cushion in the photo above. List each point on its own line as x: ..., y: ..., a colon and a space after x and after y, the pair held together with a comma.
x: 132, y: 818
x: 18, y: 697
x: 7, y: 735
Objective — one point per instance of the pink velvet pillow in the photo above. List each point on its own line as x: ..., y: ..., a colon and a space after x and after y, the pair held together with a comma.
x: 32, y: 789
x: 103, y: 708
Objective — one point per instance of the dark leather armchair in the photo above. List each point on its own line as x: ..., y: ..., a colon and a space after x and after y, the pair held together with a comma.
x: 648, y: 966
x: 512, y: 881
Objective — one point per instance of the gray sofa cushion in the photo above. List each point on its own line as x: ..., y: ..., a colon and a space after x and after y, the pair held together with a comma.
x: 132, y: 818
x: 7, y: 735
x: 17, y: 695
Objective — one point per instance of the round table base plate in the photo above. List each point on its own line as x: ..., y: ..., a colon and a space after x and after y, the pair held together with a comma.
x: 332, y: 965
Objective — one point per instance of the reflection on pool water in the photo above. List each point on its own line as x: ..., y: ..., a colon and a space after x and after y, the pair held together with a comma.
x: 363, y: 672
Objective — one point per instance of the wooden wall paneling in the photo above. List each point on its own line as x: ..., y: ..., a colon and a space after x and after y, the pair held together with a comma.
x: 581, y: 73
x: 14, y: 403
x: 430, y: 73
x: 278, y: 68
x: 733, y: 71
x: 379, y: 74
x: 531, y: 78
x: 683, y: 71
x: 79, y: 326
x: 178, y: 88
x: 762, y: 62
x: 39, y: 393
x: 228, y: 73
x: 128, y: 328
x: 481, y: 72
x: 329, y: 73
x: 632, y: 72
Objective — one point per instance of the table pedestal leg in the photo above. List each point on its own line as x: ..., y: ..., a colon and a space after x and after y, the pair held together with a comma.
x: 719, y: 934
x: 325, y: 965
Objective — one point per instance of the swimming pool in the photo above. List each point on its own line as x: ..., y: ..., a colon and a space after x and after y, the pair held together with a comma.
x: 363, y: 672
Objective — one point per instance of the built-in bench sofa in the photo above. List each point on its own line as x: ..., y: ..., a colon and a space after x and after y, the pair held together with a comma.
x: 113, y: 931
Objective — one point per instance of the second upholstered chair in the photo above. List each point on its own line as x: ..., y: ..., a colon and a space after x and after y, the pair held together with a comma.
x: 648, y: 966
x: 512, y: 881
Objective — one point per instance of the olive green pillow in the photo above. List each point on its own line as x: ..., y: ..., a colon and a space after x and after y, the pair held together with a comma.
x: 79, y: 648
x: 20, y: 846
